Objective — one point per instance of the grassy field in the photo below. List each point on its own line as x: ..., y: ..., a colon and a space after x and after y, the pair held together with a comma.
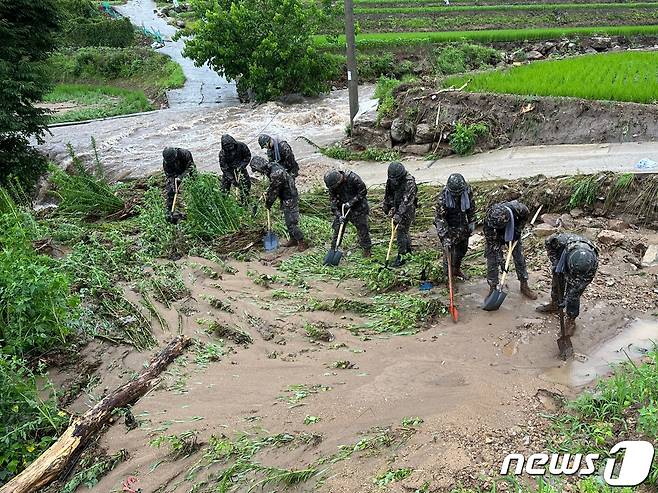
x: 415, y: 9
x: 628, y: 76
x: 367, y: 40
x: 87, y: 102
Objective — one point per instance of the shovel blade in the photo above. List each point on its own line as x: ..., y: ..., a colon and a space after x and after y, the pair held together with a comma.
x: 333, y: 257
x: 454, y: 313
x: 494, y: 301
x: 566, y: 348
x: 271, y: 241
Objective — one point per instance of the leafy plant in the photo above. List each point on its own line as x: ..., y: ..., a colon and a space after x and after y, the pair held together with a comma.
x: 384, y: 92
x: 179, y: 446
x: 92, y: 470
x: 464, y: 137
x: 392, y: 475
x: 462, y: 57
x: 585, y: 190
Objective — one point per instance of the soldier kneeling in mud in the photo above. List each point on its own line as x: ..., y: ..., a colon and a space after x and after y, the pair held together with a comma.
x: 574, y: 261
x: 233, y: 161
x: 400, y: 202
x: 177, y: 164
x: 455, y: 221
x: 279, y: 152
x: 282, y: 186
x: 504, y: 224
x: 349, y: 203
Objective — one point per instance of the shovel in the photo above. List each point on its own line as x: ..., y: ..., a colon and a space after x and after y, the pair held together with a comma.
x: 394, y: 228
x: 334, y: 255
x: 564, y: 341
x: 452, y: 308
x: 271, y: 240
x: 173, y: 204
x: 496, y: 298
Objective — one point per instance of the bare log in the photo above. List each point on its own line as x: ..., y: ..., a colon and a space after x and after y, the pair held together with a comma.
x: 51, y: 463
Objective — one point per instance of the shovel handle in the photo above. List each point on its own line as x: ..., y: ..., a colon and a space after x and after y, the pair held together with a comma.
x: 341, y: 230
x: 269, y: 221
x: 394, y: 228
x: 173, y: 204
x: 510, y: 248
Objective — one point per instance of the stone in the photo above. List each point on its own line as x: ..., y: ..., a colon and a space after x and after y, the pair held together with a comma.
x: 418, y: 149
x: 576, y: 213
x: 424, y: 134
x: 565, y: 221
x: 400, y: 130
x: 180, y: 24
x: 550, y: 219
x: 544, y: 230
x: 600, y: 43
x: 610, y: 238
x: 650, y: 258
x: 534, y: 55
x: 617, y: 225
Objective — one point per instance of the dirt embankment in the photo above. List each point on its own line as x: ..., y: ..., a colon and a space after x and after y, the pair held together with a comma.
x: 425, y: 119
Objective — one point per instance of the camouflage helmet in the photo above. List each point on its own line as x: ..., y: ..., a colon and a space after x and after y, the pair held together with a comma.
x: 396, y: 170
x: 260, y: 165
x: 332, y: 179
x: 498, y: 216
x: 169, y: 154
x: 264, y: 140
x: 581, y: 261
x: 456, y: 183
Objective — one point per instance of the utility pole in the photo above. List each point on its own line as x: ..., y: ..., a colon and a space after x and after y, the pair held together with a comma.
x: 352, y: 77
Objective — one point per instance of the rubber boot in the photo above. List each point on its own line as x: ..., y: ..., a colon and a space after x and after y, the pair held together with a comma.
x: 301, y: 246
x: 367, y: 253
x: 290, y: 243
x: 461, y: 274
x: 548, y: 308
x: 569, y: 326
x: 526, y: 291
x: 399, y: 261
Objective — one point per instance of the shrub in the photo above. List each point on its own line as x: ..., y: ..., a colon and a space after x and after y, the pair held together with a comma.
x: 384, y: 92
x: 462, y: 57
x: 371, y: 67
x: 99, y: 31
x: 29, y: 424
x: 265, y: 45
x: 464, y: 137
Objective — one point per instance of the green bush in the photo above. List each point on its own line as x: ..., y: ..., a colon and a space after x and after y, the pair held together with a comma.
x: 371, y: 67
x: 29, y: 424
x: 35, y: 303
x: 462, y: 57
x: 384, y: 92
x: 464, y: 137
x: 99, y: 31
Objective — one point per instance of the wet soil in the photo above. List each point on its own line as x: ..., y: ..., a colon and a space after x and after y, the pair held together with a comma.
x: 481, y: 385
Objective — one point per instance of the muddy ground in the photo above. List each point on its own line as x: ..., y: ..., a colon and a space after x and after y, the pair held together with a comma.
x: 480, y: 386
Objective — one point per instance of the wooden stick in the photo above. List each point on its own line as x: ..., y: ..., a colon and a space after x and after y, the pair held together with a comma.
x: 53, y: 461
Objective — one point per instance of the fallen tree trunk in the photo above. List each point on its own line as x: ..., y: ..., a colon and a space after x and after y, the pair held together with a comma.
x: 49, y: 465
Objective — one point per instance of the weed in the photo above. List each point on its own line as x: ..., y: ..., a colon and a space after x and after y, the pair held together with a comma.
x: 384, y: 92
x: 462, y: 57
x: 311, y: 420
x: 218, y: 304
x: 585, y: 190
x: 392, y: 475
x: 299, y: 392
x: 223, y: 331
x: 158, y: 236
x: 337, y: 151
x: 92, y: 470
x: 179, y: 446
x: 416, y: 421
x: 318, y: 332
x: 207, y: 353
x: 167, y: 283
x: 464, y: 137
x: 343, y: 365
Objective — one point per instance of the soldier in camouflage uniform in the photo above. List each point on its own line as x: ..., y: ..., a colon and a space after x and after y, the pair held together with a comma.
x: 233, y: 161
x: 279, y: 152
x: 574, y: 262
x: 282, y: 186
x: 504, y: 223
x: 347, y: 188
x: 400, y: 202
x: 455, y: 221
x: 177, y: 164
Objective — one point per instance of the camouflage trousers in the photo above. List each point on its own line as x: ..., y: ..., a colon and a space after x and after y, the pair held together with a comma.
x: 241, y: 180
x: 360, y: 222
x: 496, y: 262
x: 290, y: 210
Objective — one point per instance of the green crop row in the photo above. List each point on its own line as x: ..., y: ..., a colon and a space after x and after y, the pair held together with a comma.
x: 383, y: 40
x: 623, y: 76
x: 485, y: 8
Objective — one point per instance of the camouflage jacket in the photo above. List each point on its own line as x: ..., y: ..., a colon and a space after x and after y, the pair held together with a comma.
x: 574, y: 283
x: 282, y: 186
x: 451, y: 221
x: 402, y: 198
x: 352, y: 192
x: 496, y: 236
x: 239, y: 159
x: 183, y: 165
x: 287, y: 158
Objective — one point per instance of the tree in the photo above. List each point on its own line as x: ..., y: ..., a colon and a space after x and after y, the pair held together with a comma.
x: 264, y: 45
x: 27, y: 30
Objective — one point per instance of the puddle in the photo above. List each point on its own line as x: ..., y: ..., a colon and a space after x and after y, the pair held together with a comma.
x: 635, y: 340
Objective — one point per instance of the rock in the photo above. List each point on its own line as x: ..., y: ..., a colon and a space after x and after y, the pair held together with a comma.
x: 424, y: 134
x: 617, y: 225
x: 180, y: 24
x: 550, y: 219
x: 565, y: 221
x: 418, y: 149
x: 475, y: 240
x: 571, y: 46
x: 519, y: 56
x: 650, y: 258
x: 590, y: 51
x: 544, y: 229
x: 610, y: 238
x: 600, y: 43
x: 616, y: 48
x: 534, y: 55
x: 401, y: 130
x: 576, y: 213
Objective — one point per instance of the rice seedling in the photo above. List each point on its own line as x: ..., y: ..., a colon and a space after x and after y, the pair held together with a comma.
x: 392, y: 476
x: 87, y: 193
x: 624, y: 76
x: 415, y: 9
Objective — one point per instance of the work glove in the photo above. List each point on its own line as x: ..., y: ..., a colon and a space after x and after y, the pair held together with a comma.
x: 390, y: 212
x: 342, y: 219
x: 447, y: 243
x: 396, y: 219
x: 471, y: 228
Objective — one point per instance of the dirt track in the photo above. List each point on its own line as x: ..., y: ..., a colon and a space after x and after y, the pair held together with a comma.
x: 476, y: 384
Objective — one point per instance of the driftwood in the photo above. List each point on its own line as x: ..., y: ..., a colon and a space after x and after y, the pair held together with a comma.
x: 441, y: 91
x: 53, y: 461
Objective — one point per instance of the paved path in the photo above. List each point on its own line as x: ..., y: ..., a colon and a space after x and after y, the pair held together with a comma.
x: 203, y: 86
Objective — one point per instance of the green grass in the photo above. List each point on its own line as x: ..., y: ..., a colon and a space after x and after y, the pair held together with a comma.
x: 480, y: 8
x: 94, y: 101
x: 624, y: 76
x: 382, y: 40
